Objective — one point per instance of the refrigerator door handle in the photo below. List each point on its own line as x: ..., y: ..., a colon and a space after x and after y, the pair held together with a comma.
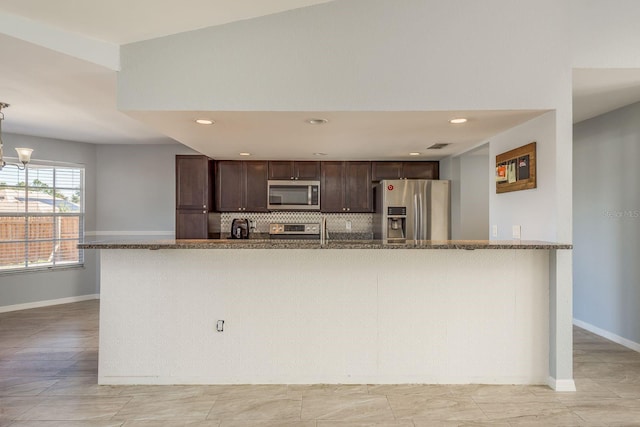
x: 421, y: 234
x: 416, y: 216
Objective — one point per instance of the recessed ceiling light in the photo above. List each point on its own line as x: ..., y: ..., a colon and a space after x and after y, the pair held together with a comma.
x: 414, y: 154
x: 458, y: 120
x: 317, y: 121
x: 245, y: 154
x: 319, y: 154
x: 204, y: 122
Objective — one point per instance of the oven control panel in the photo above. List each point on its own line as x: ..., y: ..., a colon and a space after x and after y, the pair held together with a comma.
x: 295, y: 229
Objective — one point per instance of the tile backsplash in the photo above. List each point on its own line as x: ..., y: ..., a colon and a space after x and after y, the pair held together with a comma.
x: 361, y: 223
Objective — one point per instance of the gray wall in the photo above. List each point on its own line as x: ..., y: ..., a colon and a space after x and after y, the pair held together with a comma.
x: 22, y: 288
x: 607, y: 222
x: 129, y: 188
x: 136, y: 188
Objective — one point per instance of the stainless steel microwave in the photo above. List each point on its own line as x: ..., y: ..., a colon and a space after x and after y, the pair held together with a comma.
x: 293, y: 195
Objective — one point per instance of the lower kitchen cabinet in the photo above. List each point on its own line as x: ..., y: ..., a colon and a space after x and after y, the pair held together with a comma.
x: 192, y: 224
x: 346, y: 187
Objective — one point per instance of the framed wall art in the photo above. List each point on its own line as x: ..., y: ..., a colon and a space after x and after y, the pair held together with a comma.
x: 516, y: 169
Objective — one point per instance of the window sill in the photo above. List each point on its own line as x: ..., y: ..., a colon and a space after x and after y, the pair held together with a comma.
x: 41, y: 270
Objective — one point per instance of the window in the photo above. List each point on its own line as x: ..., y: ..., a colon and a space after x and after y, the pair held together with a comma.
x: 41, y: 217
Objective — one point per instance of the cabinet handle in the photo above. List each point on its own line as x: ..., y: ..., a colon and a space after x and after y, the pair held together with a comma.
x: 204, y: 212
x: 204, y: 206
x: 348, y: 209
x: 291, y: 178
x: 239, y: 209
x: 344, y: 209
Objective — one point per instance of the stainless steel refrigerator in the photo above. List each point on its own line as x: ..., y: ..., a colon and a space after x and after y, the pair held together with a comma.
x: 412, y: 209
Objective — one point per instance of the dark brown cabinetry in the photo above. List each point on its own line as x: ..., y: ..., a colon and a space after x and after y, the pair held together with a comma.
x: 194, y: 175
x: 192, y: 224
x: 241, y: 186
x: 280, y: 169
x: 405, y: 170
x: 346, y: 187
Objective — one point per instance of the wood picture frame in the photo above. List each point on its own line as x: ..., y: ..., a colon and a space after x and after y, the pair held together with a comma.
x: 516, y: 169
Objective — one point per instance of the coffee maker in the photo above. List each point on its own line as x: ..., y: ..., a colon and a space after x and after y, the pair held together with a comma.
x: 240, y: 228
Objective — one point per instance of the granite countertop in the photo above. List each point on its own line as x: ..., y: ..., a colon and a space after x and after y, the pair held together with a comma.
x: 315, y: 244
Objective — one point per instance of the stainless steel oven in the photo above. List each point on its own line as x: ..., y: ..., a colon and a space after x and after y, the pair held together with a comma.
x: 293, y: 195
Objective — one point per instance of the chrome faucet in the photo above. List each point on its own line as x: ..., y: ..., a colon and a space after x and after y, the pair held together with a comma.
x: 324, y: 233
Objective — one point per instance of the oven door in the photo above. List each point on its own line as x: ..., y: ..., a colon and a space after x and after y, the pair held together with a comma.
x: 293, y: 195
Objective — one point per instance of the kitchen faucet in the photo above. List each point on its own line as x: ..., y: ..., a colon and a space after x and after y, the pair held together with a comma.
x: 324, y: 233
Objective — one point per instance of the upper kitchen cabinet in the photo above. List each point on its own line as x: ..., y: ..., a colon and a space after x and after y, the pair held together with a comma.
x: 405, y: 170
x: 193, y: 182
x: 346, y: 187
x: 241, y: 186
x: 308, y: 171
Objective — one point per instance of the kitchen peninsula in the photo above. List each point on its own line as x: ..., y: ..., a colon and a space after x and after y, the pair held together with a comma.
x: 261, y: 311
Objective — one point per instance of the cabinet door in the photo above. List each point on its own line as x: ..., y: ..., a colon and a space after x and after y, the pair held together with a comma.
x: 192, y: 182
x: 332, y: 189
x: 421, y: 170
x: 281, y: 170
x: 229, y: 186
x: 358, y: 187
x: 386, y: 170
x: 255, y: 189
x: 192, y: 224
x: 308, y: 171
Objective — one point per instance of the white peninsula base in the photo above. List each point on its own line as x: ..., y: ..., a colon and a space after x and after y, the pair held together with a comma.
x: 298, y: 316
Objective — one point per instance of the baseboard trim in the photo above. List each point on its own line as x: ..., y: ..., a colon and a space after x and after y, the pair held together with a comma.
x: 38, y: 304
x: 608, y: 335
x: 561, y: 385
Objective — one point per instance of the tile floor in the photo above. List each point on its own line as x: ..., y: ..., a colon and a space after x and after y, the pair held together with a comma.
x: 48, y: 371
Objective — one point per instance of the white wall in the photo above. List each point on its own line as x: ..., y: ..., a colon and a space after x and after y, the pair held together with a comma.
x: 136, y: 188
x: 450, y: 170
x: 607, y: 222
x: 360, y: 55
x: 373, y: 55
x: 605, y: 33
x: 33, y: 287
x: 364, y: 320
x: 474, y: 195
x: 535, y: 210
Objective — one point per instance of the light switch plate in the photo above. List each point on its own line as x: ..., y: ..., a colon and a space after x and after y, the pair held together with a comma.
x: 494, y: 231
x: 516, y: 231
x: 348, y: 225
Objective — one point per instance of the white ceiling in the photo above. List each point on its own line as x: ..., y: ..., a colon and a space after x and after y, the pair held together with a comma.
x: 346, y: 136
x: 598, y: 91
x: 127, y: 21
x: 56, y: 95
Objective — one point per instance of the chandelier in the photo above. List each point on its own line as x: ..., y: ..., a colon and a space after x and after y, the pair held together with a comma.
x: 24, y: 154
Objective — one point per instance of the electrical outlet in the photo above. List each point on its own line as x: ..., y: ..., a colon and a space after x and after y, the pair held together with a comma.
x: 516, y: 231
x: 494, y: 231
x: 348, y: 225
